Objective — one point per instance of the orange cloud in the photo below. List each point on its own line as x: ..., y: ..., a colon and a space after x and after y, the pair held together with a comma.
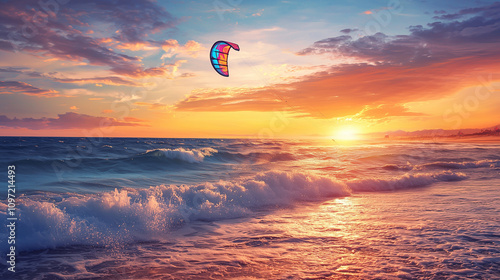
x: 347, y: 90
x: 152, y: 106
x: 172, y: 47
x: 137, y: 46
x: 429, y: 63
x: 384, y: 111
x: 131, y: 119
x: 105, y: 40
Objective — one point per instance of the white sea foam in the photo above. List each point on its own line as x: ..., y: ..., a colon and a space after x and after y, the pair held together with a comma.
x: 404, y: 182
x: 143, y: 214
x: 188, y: 155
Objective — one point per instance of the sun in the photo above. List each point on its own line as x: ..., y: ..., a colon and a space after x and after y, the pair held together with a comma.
x: 346, y: 133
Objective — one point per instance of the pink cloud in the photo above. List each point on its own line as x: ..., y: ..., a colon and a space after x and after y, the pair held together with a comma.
x: 258, y: 13
x: 70, y: 37
x: 64, y: 121
x: 10, y: 87
x: 111, y: 80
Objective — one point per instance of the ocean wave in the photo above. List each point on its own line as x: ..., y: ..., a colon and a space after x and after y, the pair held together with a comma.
x: 187, y: 155
x: 408, y: 166
x: 167, y: 156
x: 254, y: 157
x: 445, y: 165
x: 406, y: 181
x: 51, y: 220
x: 461, y: 165
x: 110, y: 161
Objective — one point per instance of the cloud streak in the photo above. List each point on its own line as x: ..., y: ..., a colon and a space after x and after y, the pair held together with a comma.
x: 428, y: 64
x: 152, y: 106
x: 116, y: 81
x: 68, y: 120
x: 11, y: 87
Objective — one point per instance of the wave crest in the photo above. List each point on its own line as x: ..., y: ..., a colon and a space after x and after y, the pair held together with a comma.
x: 191, y: 156
x: 111, y: 218
x: 406, y: 181
x: 487, y: 163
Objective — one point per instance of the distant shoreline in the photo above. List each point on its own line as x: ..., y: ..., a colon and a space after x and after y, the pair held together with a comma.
x: 452, y: 138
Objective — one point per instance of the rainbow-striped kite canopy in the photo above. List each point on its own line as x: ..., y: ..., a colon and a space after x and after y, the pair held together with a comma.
x: 219, y: 55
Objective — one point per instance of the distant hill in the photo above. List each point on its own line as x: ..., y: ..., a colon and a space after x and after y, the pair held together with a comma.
x: 494, y: 130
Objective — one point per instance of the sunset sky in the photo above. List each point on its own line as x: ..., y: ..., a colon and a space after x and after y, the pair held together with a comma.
x: 304, y: 69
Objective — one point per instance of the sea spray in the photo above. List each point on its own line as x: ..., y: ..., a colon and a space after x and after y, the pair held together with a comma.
x: 124, y: 215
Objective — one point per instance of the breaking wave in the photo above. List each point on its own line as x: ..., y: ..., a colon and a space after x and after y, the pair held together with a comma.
x: 191, y: 156
x: 445, y: 165
x: 50, y: 220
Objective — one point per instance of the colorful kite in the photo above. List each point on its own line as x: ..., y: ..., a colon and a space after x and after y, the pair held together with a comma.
x: 219, y: 55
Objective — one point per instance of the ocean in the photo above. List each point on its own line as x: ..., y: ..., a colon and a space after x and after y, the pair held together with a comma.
x: 143, y: 208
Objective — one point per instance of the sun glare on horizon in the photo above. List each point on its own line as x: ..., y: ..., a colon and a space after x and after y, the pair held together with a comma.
x: 346, y: 133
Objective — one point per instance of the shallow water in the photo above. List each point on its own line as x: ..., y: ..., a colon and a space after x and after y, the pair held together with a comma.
x: 250, y: 209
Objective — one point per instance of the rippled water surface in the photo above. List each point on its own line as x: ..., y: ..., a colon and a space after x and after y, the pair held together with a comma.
x: 248, y: 209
